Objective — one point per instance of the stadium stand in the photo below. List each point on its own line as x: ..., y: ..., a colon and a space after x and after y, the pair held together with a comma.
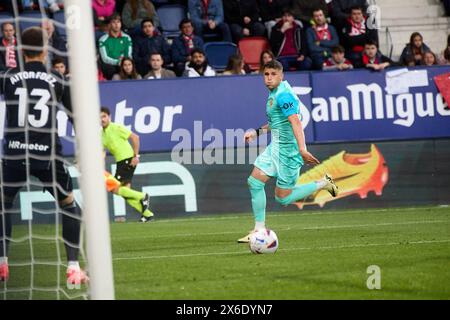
x: 4, y: 17
x: 30, y: 19
x: 251, y: 49
x: 61, y: 20
x: 400, y: 18
x: 170, y: 17
x: 218, y: 53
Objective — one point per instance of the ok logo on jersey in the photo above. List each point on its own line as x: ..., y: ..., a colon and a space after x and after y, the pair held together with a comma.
x: 288, y: 105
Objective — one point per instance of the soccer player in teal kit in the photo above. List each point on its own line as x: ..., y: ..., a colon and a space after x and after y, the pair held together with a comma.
x: 286, y: 154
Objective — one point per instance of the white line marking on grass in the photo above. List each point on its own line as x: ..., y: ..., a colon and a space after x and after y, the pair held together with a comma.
x: 369, y: 245
x: 284, y: 228
x: 295, y: 213
x: 288, y: 249
x: 370, y: 225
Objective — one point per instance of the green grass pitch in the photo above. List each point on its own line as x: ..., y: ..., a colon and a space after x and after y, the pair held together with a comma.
x: 322, y: 255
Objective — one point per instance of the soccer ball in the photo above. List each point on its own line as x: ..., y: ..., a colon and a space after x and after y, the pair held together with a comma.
x: 263, y: 241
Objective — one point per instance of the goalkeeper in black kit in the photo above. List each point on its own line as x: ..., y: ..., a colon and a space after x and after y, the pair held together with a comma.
x: 32, y: 147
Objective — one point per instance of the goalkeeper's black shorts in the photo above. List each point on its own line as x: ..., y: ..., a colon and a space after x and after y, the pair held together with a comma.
x: 53, y: 175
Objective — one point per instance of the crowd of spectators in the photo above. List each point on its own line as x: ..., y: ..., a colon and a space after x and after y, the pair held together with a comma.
x: 303, y: 35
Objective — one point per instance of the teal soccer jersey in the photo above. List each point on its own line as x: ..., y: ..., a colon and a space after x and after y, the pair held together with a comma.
x: 281, y: 159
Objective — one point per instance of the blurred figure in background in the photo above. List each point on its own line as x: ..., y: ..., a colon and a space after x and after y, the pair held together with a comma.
x: 198, y: 67
x: 135, y: 11
x: 156, y: 62
x: 266, y: 56
x: 127, y: 71
x: 235, y: 65
x: 414, y: 50
x: 183, y: 45
x: 8, y: 47
x: 444, y: 58
x: 429, y: 59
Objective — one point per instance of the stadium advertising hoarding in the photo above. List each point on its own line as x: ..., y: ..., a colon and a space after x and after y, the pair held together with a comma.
x: 188, y: 112
x: 337, y: 106
x: 196, y: 113
x: 346, y: 106
x: 391, y: 105
x: 369, y: 175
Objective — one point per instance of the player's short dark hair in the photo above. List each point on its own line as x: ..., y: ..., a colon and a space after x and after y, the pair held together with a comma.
x: 184, y: 21
x: 144, y: 21
x: 198, y: 50
x: 273, y: 64
x: 58, y: 60
x: 371, y: 42
x: 317, y: 9
x: 287, y: 12
x: 113, y: 17
x: 356, y: 8
x: 105, y: 110
x: 6, y: 23
x: 33, y: 42
x: 156, y: 54
x: 338, y: 49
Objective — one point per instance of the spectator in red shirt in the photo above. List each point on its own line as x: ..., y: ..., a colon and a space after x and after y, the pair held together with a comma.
x: 371, y: 58
x: 8, y: 47
x: 321, y: 37
x: 288, y: 42
x: 356, y: 33
x: 341, y: 11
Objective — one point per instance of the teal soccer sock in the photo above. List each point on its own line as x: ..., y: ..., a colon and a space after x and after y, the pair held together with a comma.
x: 298, y: 192
x: 258, y: 199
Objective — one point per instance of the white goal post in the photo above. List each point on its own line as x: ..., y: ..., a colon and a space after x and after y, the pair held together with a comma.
x: 86, y: 108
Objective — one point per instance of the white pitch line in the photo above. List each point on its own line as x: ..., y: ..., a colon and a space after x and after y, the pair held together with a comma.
x: 299, y: 213
x: 370, y: 245
x: 285, y: 228
x: 24, y: 240
x: 288, y: 249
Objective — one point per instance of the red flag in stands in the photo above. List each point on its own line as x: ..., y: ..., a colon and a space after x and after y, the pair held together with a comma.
x: 443, y: 83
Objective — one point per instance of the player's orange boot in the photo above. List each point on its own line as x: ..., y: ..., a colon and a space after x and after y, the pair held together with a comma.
x: 353, y: 173
x: 76, y: 276
x: 4, y: 272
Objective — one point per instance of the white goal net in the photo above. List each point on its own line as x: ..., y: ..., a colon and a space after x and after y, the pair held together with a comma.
x: 47, y: 246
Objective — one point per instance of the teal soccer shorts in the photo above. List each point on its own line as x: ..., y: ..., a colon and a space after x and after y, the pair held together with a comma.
x: 285, y: 166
